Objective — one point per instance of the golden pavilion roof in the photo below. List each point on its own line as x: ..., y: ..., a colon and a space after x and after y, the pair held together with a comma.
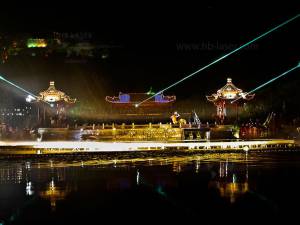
x: 229, y: 92
x: 52, y: 95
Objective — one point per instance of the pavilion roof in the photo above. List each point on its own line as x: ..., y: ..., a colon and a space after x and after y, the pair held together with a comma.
x: 229, y: 92
x: 52, y: 95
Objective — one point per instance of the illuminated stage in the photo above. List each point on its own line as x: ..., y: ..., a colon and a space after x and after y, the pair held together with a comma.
x: 76, y: 147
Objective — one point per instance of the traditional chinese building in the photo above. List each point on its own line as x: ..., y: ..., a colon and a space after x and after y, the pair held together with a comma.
x: 55, y: 105
x: 228, y: 96
x: 129, y: 102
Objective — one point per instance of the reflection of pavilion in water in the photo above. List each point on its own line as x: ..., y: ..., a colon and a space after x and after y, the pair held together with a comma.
x: 230, y: 185
x: 54, y: 184
x: 54, y: 193
x: 34, y: 180
x: 57, y: 189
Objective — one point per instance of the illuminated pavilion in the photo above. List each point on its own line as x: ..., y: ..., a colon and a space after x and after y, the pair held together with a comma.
x: 229, y: 95
x: 56, y: 103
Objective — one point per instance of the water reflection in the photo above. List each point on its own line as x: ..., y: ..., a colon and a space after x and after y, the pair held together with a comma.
x: 137, y: 177
x: 180, y: 180
x: 11, y: 174
x: 29, y: 188
x: 52, y: 193
x: 230, y: 184
x: 177, y: 167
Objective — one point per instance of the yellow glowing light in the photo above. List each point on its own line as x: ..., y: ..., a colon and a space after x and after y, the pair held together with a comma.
x: 229, y: 94
x: 36, y: 43
x: 52, y: 95
x: 232, y: 190
x: 246, y: 148
x: 89, y: 146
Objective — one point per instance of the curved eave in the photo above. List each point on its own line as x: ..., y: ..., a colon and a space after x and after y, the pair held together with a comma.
x: 212, y: 98
x: 112, y: 99
x: 249, y: 97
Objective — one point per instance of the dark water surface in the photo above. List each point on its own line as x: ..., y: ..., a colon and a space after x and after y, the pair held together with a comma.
x: 252, y: 188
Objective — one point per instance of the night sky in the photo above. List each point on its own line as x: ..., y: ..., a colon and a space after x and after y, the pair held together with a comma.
x: 156, y: 46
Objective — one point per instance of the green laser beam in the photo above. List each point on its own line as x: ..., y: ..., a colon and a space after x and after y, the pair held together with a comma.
x: 18, y: 87
x: 221, y: 58
x: 268, y: 82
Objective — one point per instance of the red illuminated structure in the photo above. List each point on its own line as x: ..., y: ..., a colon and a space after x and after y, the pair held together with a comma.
x: 226, y: 96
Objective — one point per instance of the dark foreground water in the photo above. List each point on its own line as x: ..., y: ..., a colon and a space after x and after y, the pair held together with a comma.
x: 251, y: 188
